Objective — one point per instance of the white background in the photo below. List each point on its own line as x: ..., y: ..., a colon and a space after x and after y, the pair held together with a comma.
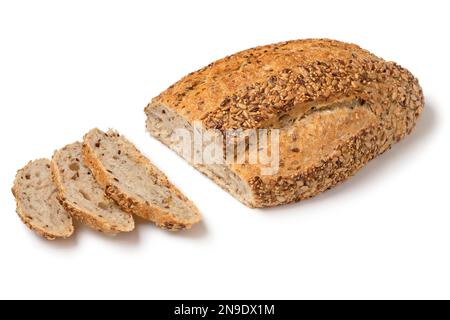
x: 69, y: 66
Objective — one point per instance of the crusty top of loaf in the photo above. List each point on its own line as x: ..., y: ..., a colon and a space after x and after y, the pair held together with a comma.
x: 250, y: 88
x: 254, y: 88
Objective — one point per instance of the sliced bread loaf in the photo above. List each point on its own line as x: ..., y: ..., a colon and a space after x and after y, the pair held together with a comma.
x: 83, y: 197
x: 135, y: 183
x: 37, y: 204
x: 335, y: 106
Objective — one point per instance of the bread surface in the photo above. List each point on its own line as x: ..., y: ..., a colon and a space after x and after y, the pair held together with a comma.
x: 37, y: 204
x: 336, y: 107
x: 82, y: 196
x: 135, y: 183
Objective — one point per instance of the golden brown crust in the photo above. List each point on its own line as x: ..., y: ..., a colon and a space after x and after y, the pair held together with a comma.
x: 81, y: 214
x: 303, y: 79
x: 242, y: 78
x: 163, y: 219
x: 26, y: 218
x: 343, y: 163
x: 397, y: 105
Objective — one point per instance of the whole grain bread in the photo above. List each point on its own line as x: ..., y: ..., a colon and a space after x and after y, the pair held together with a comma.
x: 82, y: 196
x: 135, y: 183
x: 37, y: 204
x: 335, y: 106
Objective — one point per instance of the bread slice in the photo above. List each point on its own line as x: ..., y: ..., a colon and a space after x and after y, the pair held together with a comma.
x: 135, y: 183
x: 82, y: 196
x: 37, y: 204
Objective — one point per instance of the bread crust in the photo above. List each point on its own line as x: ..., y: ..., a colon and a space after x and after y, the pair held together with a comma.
x: 163, y: 219
x: 84, y: 215
x: 25, y: 217
x: 255, y: 88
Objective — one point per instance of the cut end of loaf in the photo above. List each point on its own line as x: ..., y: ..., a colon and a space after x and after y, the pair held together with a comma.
x: 163, y: 122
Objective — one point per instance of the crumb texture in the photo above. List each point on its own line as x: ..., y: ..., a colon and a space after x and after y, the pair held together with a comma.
x: 135, y: 183
x: 37, y: 203
x: 162, y: 123
x: 82, y: 195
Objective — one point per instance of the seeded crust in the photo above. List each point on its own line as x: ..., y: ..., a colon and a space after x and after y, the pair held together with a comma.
x: 337, y: 107
x: 26, y: 214
x: 73, y: 180
x: 163, y: 218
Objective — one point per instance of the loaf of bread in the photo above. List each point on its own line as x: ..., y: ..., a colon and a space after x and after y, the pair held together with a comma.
x: 37, y: 203
x: 135, y: 183
x: 334, y: 106
x: 82, y: 196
